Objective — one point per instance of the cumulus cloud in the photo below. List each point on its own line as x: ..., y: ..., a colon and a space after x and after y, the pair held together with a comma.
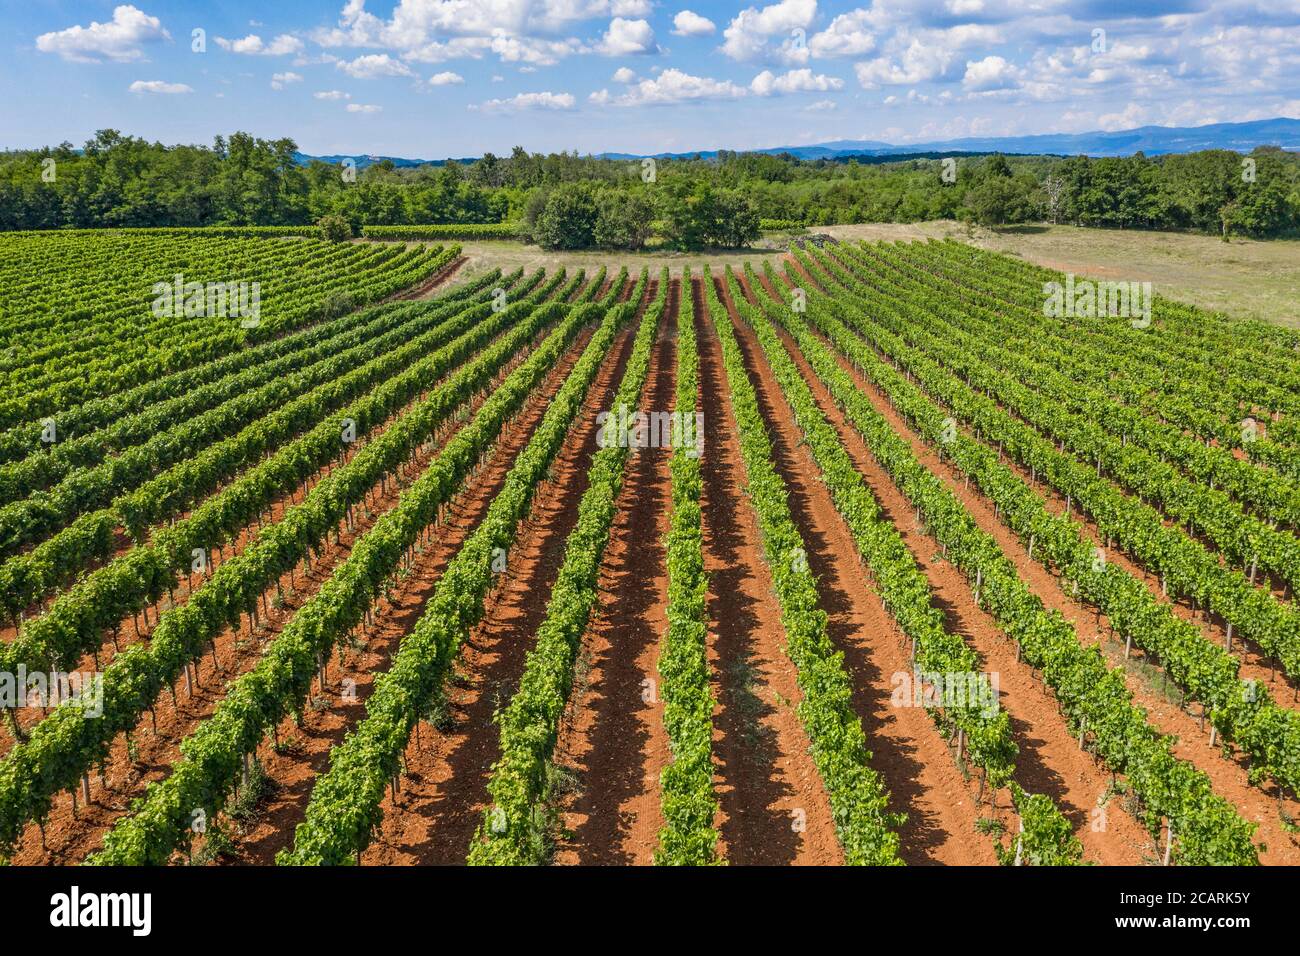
x: 528, y: 101
x: 747, y: 36
x: 990, y: 73
x: 671, y: 86
x: 280, y: 80
x: 159, y: 86
x: 688, y: 23
x: 373, y: 65
x: 364, y: 108
x: 627, y: 38
x: 253, y: 45
x: 1131, y: 116
x: 119, y: 39
x: 805, y: 80
x: 623, y: 75
x: 538, y: 52
x: 849, y: 34
x: 446, y: 78
x: 332, y: 95
x: 418, y: 23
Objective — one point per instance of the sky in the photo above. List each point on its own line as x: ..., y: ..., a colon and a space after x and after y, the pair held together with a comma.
x: 433, y: 79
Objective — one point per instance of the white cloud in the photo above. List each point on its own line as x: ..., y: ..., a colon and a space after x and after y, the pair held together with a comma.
x: 627, y: 38
x: 747, y: 36
x: 119, y: 39
x: 690, y: 24
x: 623, y: 75
x: 671, y: 86
x: 990, y: 73
x: 280, y: 80
x: 364, y: 108
x: 820, y: 106
x: 528, y: 101
x: 373, y: 65
x: 768, y: 83
x: 1132, y: 115
x: 332, y: 95
x: 453, y: 49
x: 847, y: 35
x: 446, y: 78
x: 416, y: 23
x: 253, y: 45
x: 541, y: 52
x: 919, y: 63
x: 159, y: 86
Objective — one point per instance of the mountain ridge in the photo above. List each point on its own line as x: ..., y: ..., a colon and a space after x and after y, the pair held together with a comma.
x: 1151, y: 140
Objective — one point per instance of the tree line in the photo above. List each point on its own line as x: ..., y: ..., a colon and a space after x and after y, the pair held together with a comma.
x: 564, y: 200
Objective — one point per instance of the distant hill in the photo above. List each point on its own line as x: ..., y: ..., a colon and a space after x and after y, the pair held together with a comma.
x: 1151, y: 140
x: 362, y: 161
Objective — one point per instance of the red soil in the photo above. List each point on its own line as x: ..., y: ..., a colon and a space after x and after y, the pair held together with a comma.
x: 1229, y: 776
x: 294, y: 771
x: 69, y: 837
x: 919, y: 770
x: 426, y: 289
x: 765, y: 772
x: 444, y: 790
x: 614, y: 740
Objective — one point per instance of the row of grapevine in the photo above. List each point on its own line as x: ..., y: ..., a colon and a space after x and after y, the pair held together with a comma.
x: 345, y: 806
x: 1094, y: 698
x: 514, y: 828
x: 984, y: 736
x: 67, y: 742
x: 278, y: 685
x: 859, y: 801
x: 687, y: 837
x: 1245, y: 715
x: 479, y: 231
x: 232, y: 232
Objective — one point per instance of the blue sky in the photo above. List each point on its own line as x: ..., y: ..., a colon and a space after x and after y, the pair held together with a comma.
x: 437, y: 78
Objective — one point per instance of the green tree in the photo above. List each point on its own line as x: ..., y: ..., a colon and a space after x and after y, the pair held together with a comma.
x: 568, y: 220
x: 624, y: 219
x: 335, y: 228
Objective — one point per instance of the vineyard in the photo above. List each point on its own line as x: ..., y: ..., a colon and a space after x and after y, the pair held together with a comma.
x: 319, y: 553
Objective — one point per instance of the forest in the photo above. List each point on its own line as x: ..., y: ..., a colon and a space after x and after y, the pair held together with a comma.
x: 563, y: 200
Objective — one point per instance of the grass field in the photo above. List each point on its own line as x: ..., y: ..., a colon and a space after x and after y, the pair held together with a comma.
x: 1245, y: 277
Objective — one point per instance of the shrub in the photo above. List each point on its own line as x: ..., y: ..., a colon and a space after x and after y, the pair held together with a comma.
x: 334, y: 228
x: 568, y: 220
